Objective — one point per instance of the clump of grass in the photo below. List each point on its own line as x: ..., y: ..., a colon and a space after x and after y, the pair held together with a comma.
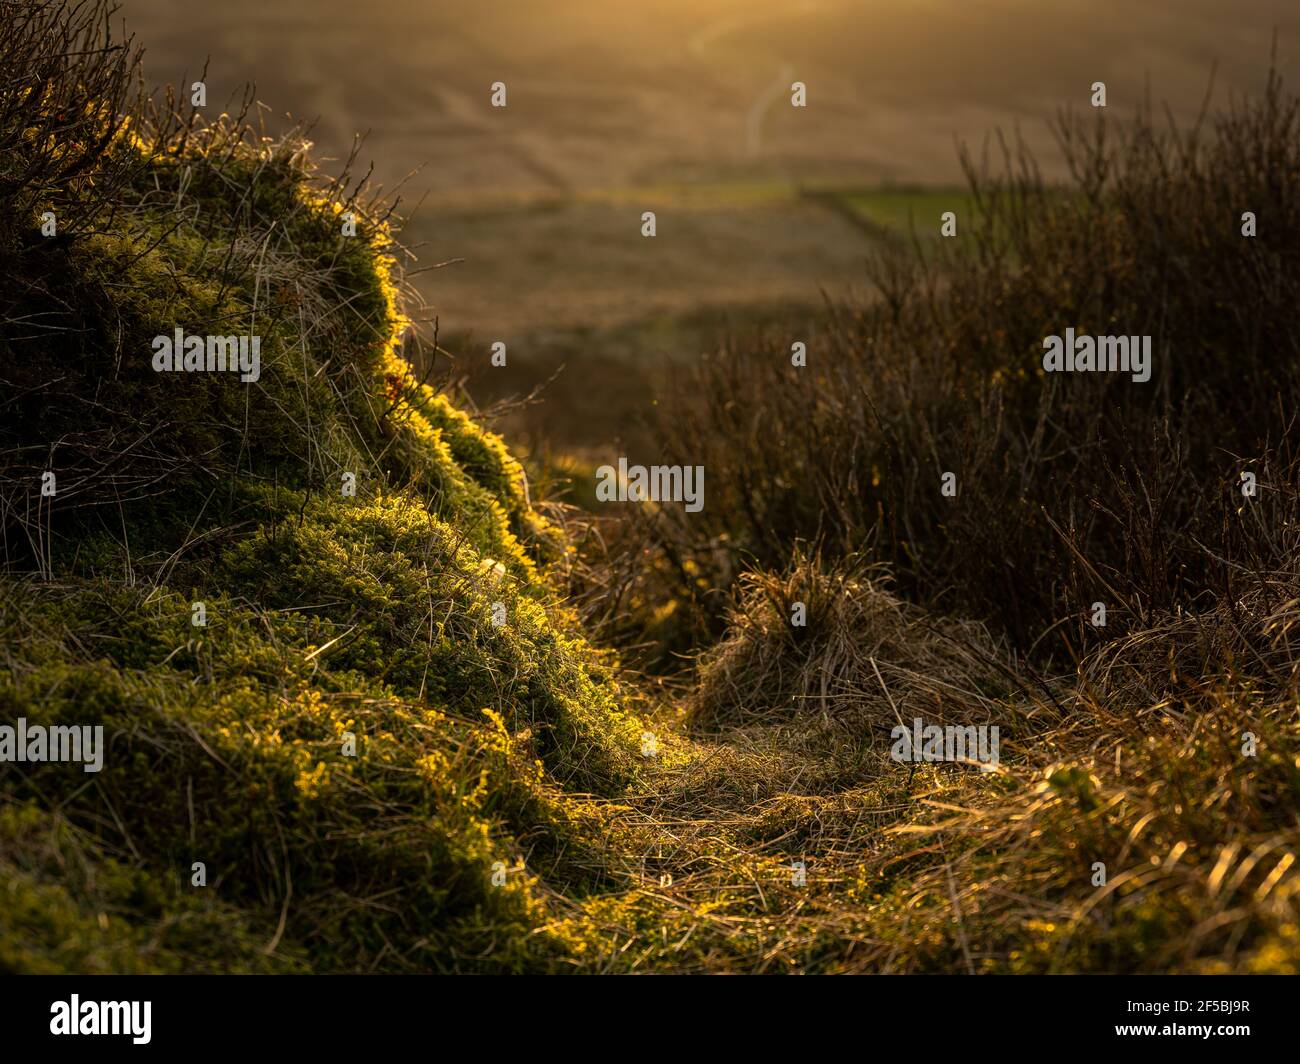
x: 829, y: 638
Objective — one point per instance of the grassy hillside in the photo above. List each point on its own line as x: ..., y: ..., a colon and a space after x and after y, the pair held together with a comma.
x: 403, y: 738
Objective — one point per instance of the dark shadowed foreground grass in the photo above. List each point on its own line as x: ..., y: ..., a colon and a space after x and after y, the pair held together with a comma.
x: 391, y: 745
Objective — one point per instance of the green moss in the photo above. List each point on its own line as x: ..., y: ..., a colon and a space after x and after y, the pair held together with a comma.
x: 67, y: 905
x: 230, y: 750
x: 332, y: 620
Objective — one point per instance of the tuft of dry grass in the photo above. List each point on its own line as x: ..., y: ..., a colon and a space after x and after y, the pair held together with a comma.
x: 824, y: 637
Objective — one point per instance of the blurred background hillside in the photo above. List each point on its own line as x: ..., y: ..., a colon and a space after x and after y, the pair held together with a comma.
x: 682, y: 107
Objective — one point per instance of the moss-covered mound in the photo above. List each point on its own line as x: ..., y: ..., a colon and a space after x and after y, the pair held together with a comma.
x: 308, y: 609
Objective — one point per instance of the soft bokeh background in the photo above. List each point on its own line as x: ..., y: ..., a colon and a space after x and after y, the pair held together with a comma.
x: 678, y: 106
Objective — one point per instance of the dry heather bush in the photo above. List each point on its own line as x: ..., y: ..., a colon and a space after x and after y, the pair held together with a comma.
x: 68, y: 89
x: 1072, y: 488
